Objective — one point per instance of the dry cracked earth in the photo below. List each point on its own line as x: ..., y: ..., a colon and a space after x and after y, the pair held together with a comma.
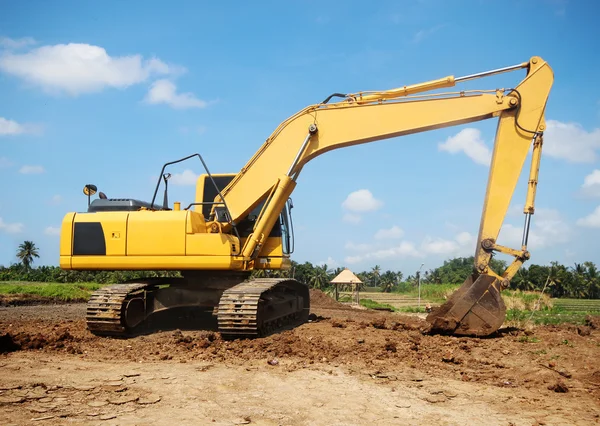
x: 347, y: 367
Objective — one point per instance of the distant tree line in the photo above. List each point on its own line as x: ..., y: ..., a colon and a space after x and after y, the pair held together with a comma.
x: 53, y: 274
x: 582, y: 280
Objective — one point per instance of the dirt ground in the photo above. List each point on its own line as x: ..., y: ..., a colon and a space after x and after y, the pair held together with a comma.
x: 347, y: 367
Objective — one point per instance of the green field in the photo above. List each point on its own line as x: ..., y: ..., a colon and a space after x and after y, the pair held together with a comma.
x: 578, y: 305
x: 521, y: 306
x: 57, y: 291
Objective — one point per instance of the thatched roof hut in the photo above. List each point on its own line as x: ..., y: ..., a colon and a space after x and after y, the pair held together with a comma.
x: 347, y: 278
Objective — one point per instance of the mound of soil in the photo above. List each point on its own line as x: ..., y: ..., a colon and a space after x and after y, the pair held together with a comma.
x: 53, y: 339
x: 318, y: 299
x: 593, y: 321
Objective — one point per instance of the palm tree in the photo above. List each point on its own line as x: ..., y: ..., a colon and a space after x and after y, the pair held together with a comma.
x: 376, y: 274
x: 523, y: 281
x: 319, y: 277
x: 388, y: 281
x: 592, y: 277
x: 26, y: 252
x: 434, y: 276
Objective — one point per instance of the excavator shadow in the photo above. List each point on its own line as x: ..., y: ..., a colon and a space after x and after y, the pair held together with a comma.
x: 190, y: 319
x: 498, y: 334
x: 183, y: 319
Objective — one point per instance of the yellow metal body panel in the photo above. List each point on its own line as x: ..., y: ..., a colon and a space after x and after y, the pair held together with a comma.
x: 151, y: 240
x: 115, y: 230
x: 272, y: 248
x: 66, y: 232
x: 156, y: 233
x: 195, y: 223
x: 271, y: 256
x: 212, y: 245
x: 153, y: 262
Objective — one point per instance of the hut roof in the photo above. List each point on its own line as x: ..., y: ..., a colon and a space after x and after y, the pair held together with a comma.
x: 346, y: 277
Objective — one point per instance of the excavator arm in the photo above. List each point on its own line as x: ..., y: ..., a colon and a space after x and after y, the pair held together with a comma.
x: 270, y: 175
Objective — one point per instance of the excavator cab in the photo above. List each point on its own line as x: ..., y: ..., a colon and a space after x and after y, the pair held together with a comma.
x: 280, y: 241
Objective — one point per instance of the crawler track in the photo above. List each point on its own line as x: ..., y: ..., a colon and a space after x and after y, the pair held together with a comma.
x: 262, y: 306
x: 106, y: 309
x: 246, y: 310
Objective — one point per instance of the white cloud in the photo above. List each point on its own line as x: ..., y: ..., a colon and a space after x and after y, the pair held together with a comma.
x: 592, y: 220
x: 31, y: 170
x: 52, y: 231
x: 11, y: 127
x: 548, y: 228
x: 78, y: 68
x: 187, y: 177
x: 56, y: 200
x: 439, y: 246
x: 330, y: 262
x: 351, y: 260
x: 5, y: 162
x: 391, y: 233
x: 165, y: 92
x: 351, y: 218
x: 462, y: 245
x: 16, y: 43
x: 357, y: 247
x: 551, y: 225
x: 425, y: 33
x: 591, y: 184
x: 402, y: 250
x: 468, y: 141
x: 465, y: 239
x: 569, y: 141
x: 362, y: 201
x: 515, y: 210
x: 11, y: 228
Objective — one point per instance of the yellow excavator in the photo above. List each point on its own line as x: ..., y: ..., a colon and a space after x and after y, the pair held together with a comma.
x: 241, y: 222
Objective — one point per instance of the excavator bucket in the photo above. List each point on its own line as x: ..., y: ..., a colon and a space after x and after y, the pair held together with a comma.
x: 475, y: 309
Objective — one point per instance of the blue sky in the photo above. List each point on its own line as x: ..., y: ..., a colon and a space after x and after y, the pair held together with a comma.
x: 106, y: 93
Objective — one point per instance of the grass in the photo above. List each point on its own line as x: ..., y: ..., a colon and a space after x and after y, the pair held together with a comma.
x: 526, y: 300
x: 552, y: 316
x: 587, y: 305
x: 371, y: 304
x: 529, y: 339
x: 65, y: 292
x: 433, y: 292
x: 412, y: 309
x: 523, y: 307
